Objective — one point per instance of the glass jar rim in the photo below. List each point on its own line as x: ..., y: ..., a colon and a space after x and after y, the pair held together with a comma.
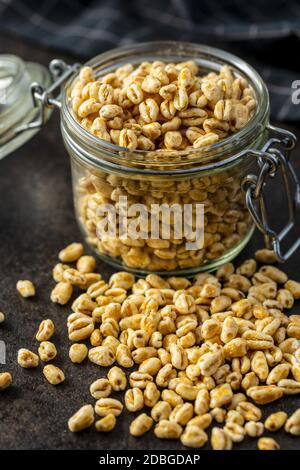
x: 96, y: 151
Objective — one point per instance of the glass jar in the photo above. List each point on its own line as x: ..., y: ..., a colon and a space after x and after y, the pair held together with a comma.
x: 228, y: 225
x: 173, y: 212
x: 16, y: 110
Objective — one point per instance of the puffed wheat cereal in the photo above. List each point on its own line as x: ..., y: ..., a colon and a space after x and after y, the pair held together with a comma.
x: 163, y: 109
x: 27, y: 359
x: 267, y: 443
x: 82, y: 419
x: 45, y: 331
x: 26, y: 288
x: 106, y: 424
x: 199, y: 352
x: 105, y: 406
x: 5, y: 380
x: 292, y: 425
x: 53, y: 374
x: 47, y: 351
x: 276, y: 420
x: 71, y: 253
x: 140, y: 425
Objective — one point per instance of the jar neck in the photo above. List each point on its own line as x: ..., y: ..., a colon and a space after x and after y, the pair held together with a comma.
x: 99, y: 153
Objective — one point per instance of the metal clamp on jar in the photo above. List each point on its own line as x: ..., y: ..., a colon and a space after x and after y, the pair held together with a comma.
x: 229, y: 178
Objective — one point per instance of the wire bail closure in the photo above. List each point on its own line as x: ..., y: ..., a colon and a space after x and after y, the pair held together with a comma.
x: 274, y: 157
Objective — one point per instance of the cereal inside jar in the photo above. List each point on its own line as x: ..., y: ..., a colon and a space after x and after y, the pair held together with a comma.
x: 158, y: 156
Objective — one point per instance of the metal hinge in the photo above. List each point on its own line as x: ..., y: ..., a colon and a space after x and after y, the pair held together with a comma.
x: 274, y: 157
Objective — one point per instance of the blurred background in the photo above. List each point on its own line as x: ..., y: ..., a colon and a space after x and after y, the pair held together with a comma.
x: 266, y: 33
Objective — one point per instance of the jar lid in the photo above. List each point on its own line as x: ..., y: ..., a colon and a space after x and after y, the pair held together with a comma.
x: 17, y: 109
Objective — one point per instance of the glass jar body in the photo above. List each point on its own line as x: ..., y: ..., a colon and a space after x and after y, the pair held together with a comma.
x: 227, y: 222
x: 104, y: 175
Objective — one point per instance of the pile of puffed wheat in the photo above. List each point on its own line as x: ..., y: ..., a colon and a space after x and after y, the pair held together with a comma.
x: 195, y: 352
x: 162, y: 106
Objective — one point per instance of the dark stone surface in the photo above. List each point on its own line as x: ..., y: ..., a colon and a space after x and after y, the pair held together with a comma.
x: 36, y: 221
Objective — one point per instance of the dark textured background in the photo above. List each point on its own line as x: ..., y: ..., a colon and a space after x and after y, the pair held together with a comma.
x: 36, y: 221
x: 265, y: 33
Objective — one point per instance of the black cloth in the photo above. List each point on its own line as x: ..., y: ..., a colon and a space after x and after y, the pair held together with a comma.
x: 265, y: 33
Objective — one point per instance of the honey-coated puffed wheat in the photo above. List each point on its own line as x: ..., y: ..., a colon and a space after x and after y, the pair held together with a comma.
x: 5, y: 380
x: 26, y: 288
x: 186, y: 385
x: 165, y: 110
x: 179, y: 359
